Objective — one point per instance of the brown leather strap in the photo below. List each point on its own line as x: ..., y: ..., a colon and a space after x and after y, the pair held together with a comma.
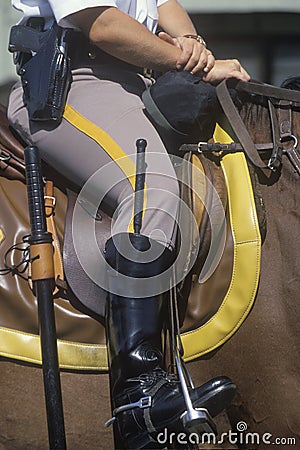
x: 285, y: 119
x: 41, y: 256
x: 208, y: 147
x: 275, y: 160
x: 51, y: 227
x: 267, y: 90
x: 288, y: 139
x: 290, y: 97
x: 238, y: 125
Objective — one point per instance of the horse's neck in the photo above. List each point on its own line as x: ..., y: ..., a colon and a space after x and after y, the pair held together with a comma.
x: 257, y: 121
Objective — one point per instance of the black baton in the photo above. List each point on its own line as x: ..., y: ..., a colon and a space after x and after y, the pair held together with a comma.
x: 41, y: 254
x: 139, y: 185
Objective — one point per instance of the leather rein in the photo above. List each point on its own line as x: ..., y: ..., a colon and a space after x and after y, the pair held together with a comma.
x: 284, y: 141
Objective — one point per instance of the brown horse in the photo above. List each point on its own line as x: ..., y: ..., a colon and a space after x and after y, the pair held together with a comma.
x: 261, y: 357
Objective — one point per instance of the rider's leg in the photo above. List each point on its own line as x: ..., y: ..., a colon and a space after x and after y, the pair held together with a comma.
x: 99, y: 136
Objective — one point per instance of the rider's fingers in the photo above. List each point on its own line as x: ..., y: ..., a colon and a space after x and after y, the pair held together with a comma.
x: 246, y: 76
x: 184, y: 58
x: 210, y: 62
x: 199, y: 64
x: 195, y: 59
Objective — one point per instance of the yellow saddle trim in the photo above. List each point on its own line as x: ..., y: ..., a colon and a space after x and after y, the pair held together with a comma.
x: 72, y: 355
x: 246, y: 262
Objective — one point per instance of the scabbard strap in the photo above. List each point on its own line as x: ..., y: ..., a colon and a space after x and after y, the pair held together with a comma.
x: 50, y: 203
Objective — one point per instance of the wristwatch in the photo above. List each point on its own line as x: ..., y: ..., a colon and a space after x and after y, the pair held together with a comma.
x: 197, y: 37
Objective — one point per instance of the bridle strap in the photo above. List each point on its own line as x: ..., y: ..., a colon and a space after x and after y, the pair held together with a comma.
x: 238, y: 125
x: 286, y: 97
x: 217, y: 147
x: 276, y: 156
x: 288, y: 139
x: 267, y: 90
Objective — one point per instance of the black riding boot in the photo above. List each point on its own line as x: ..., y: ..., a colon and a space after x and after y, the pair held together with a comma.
x: 146, y: 400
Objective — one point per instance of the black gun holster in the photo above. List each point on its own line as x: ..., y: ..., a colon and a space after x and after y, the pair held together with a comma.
x: 43, y: 63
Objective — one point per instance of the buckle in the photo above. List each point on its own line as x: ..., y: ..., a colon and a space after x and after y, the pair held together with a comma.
x: 275, y: 160
x: 147, y: 73
x: 50, y: 202
x: 3, y: 156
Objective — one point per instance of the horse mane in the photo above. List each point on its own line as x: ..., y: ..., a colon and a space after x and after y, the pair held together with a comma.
x: 291, y: 83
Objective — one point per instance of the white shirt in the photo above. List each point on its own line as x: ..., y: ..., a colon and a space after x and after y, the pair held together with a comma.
x: 144, y: 11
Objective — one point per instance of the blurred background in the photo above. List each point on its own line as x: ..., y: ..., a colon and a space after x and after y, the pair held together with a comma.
x: 263, y: 34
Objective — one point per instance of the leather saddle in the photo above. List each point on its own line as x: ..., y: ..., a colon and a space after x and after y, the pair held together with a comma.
x: 79, y: 300
x: 79, y: 285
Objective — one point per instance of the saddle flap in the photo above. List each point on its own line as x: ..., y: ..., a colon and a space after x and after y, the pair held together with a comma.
x: 85, y: 289
x: 203, y: 189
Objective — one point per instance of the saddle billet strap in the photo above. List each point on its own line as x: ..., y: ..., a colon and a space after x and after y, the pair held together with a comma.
x: 238, y: 125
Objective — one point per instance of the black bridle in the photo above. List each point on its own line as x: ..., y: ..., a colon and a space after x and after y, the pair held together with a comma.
x: 280, y: 103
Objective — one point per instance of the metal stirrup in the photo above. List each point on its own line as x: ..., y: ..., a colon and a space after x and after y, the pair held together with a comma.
x: 193, y: 419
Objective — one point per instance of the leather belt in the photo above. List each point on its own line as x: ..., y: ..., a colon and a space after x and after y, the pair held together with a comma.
x: 85, y: 54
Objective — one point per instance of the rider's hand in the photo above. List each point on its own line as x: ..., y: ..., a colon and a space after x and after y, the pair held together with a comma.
x: 226, y: 68
x: 194, y: 57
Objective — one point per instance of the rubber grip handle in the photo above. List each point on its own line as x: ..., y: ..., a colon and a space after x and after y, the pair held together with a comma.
x: 141, y: 145
x: 35, y: 194
x: 139, y: 184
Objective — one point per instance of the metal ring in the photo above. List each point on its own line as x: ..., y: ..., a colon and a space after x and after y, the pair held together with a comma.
x: 295, y: 140
x: 288, y: 138
x: 4, y: 158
